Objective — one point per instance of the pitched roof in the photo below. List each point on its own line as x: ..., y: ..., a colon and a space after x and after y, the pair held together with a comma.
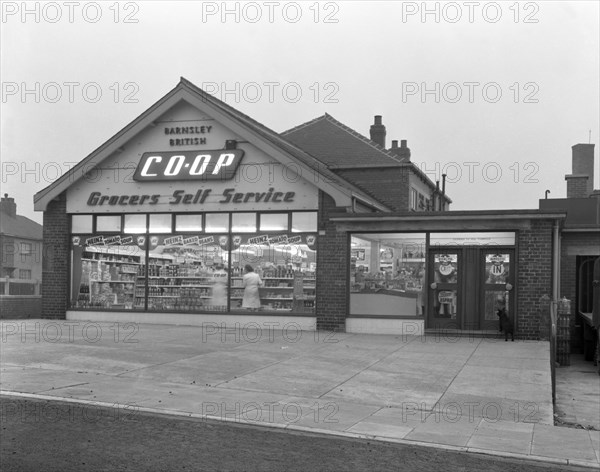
x: 338, y: 146
x: 255, y: 132
x: 19, y: 227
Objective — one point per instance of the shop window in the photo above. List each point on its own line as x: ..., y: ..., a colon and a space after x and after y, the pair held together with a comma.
x: 81, y: 223
x: 243, y: 222
x: 216, y: 222
x: 188, y: 223
x: 387, y: 274
x: 187, y: 273
x: 304, y: 221
x: 273, y: 222
x: 286, y: 267
x: 191, y: 271
x: 107, y: 272
x: 135, y: 224
x: 108, y: 224
x: 160, y: 223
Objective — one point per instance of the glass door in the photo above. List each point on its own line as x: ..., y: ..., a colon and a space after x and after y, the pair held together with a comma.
x: 444, y: 289
x: 497, y: 287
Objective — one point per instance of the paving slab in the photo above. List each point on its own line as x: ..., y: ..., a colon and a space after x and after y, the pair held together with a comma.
x: 380, y: 429
x: 386, y: 389
x: 497, y: 408
x: 34, y: 380
x: 442, y: 429
x: 503, y: 436
x: 568, y: 443
x: 595, y: 439
x: 337, y: 416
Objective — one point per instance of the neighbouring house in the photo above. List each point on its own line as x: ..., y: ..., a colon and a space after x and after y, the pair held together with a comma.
x: 20, y: 263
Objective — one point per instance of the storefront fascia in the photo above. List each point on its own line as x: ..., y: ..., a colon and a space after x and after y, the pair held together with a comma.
x: 175, y: 206
x: 445, y: 271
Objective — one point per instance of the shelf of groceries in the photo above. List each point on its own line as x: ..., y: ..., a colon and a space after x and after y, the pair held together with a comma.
x: 113, y: 280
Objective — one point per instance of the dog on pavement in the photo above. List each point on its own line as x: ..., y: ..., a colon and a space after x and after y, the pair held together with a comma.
x: 505, y: 324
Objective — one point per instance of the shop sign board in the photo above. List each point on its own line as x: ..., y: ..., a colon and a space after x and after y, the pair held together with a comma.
x: 188, y: 165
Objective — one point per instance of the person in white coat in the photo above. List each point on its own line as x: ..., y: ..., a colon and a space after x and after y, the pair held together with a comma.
x: 252, y: 282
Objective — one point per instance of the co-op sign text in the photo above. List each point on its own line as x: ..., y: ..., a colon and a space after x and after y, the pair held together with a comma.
x: 188, y: 165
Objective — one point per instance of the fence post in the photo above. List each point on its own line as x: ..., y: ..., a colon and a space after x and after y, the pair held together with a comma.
x: 563, y: 344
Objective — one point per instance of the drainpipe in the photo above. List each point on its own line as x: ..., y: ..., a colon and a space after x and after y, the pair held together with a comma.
x: 443, y: 191
x: 556, y: 264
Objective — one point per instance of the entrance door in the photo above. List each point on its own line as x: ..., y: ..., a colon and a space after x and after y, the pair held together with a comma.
x: 498, y: 279
x: 445, y: 274
x: 468, y: 286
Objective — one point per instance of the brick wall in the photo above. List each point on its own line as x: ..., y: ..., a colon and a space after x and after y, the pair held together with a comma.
x: 332, y: 267
x: 534, y: 277
x: 388, y: 185
x: 572, y: 245
x: 577, y: 187
x: 15, y: 307
x: 55, y: 267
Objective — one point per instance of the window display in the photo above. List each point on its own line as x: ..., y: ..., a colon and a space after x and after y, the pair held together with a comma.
x: 387, y: 274
x: 286, y: 266
x: 106, y: 272
x: 182, y: 273
x: 194, y: 271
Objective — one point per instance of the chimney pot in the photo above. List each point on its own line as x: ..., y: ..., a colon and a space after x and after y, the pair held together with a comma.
x: 394, y: 144
x: 8, y: 205
x: 377, y: 131
x: 403, y: 144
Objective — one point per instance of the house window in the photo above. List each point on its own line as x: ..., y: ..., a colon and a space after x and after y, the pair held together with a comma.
x: 25, y: 274
x: 26, y: 251
x: 414, y: 199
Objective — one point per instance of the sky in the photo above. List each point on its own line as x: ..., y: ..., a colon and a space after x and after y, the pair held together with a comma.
x: 493, y: 94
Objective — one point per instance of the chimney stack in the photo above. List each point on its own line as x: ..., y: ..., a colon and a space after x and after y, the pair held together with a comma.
x: 402, y: 152
x: 378, y: 132
x: 580, y: 184
x: 8, y: 206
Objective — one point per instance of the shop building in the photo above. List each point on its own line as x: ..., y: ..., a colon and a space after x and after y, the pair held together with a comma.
x: 157, y: 224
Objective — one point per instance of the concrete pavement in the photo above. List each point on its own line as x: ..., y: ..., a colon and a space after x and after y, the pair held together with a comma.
x: 578, y: 393
x: 476, y: 395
